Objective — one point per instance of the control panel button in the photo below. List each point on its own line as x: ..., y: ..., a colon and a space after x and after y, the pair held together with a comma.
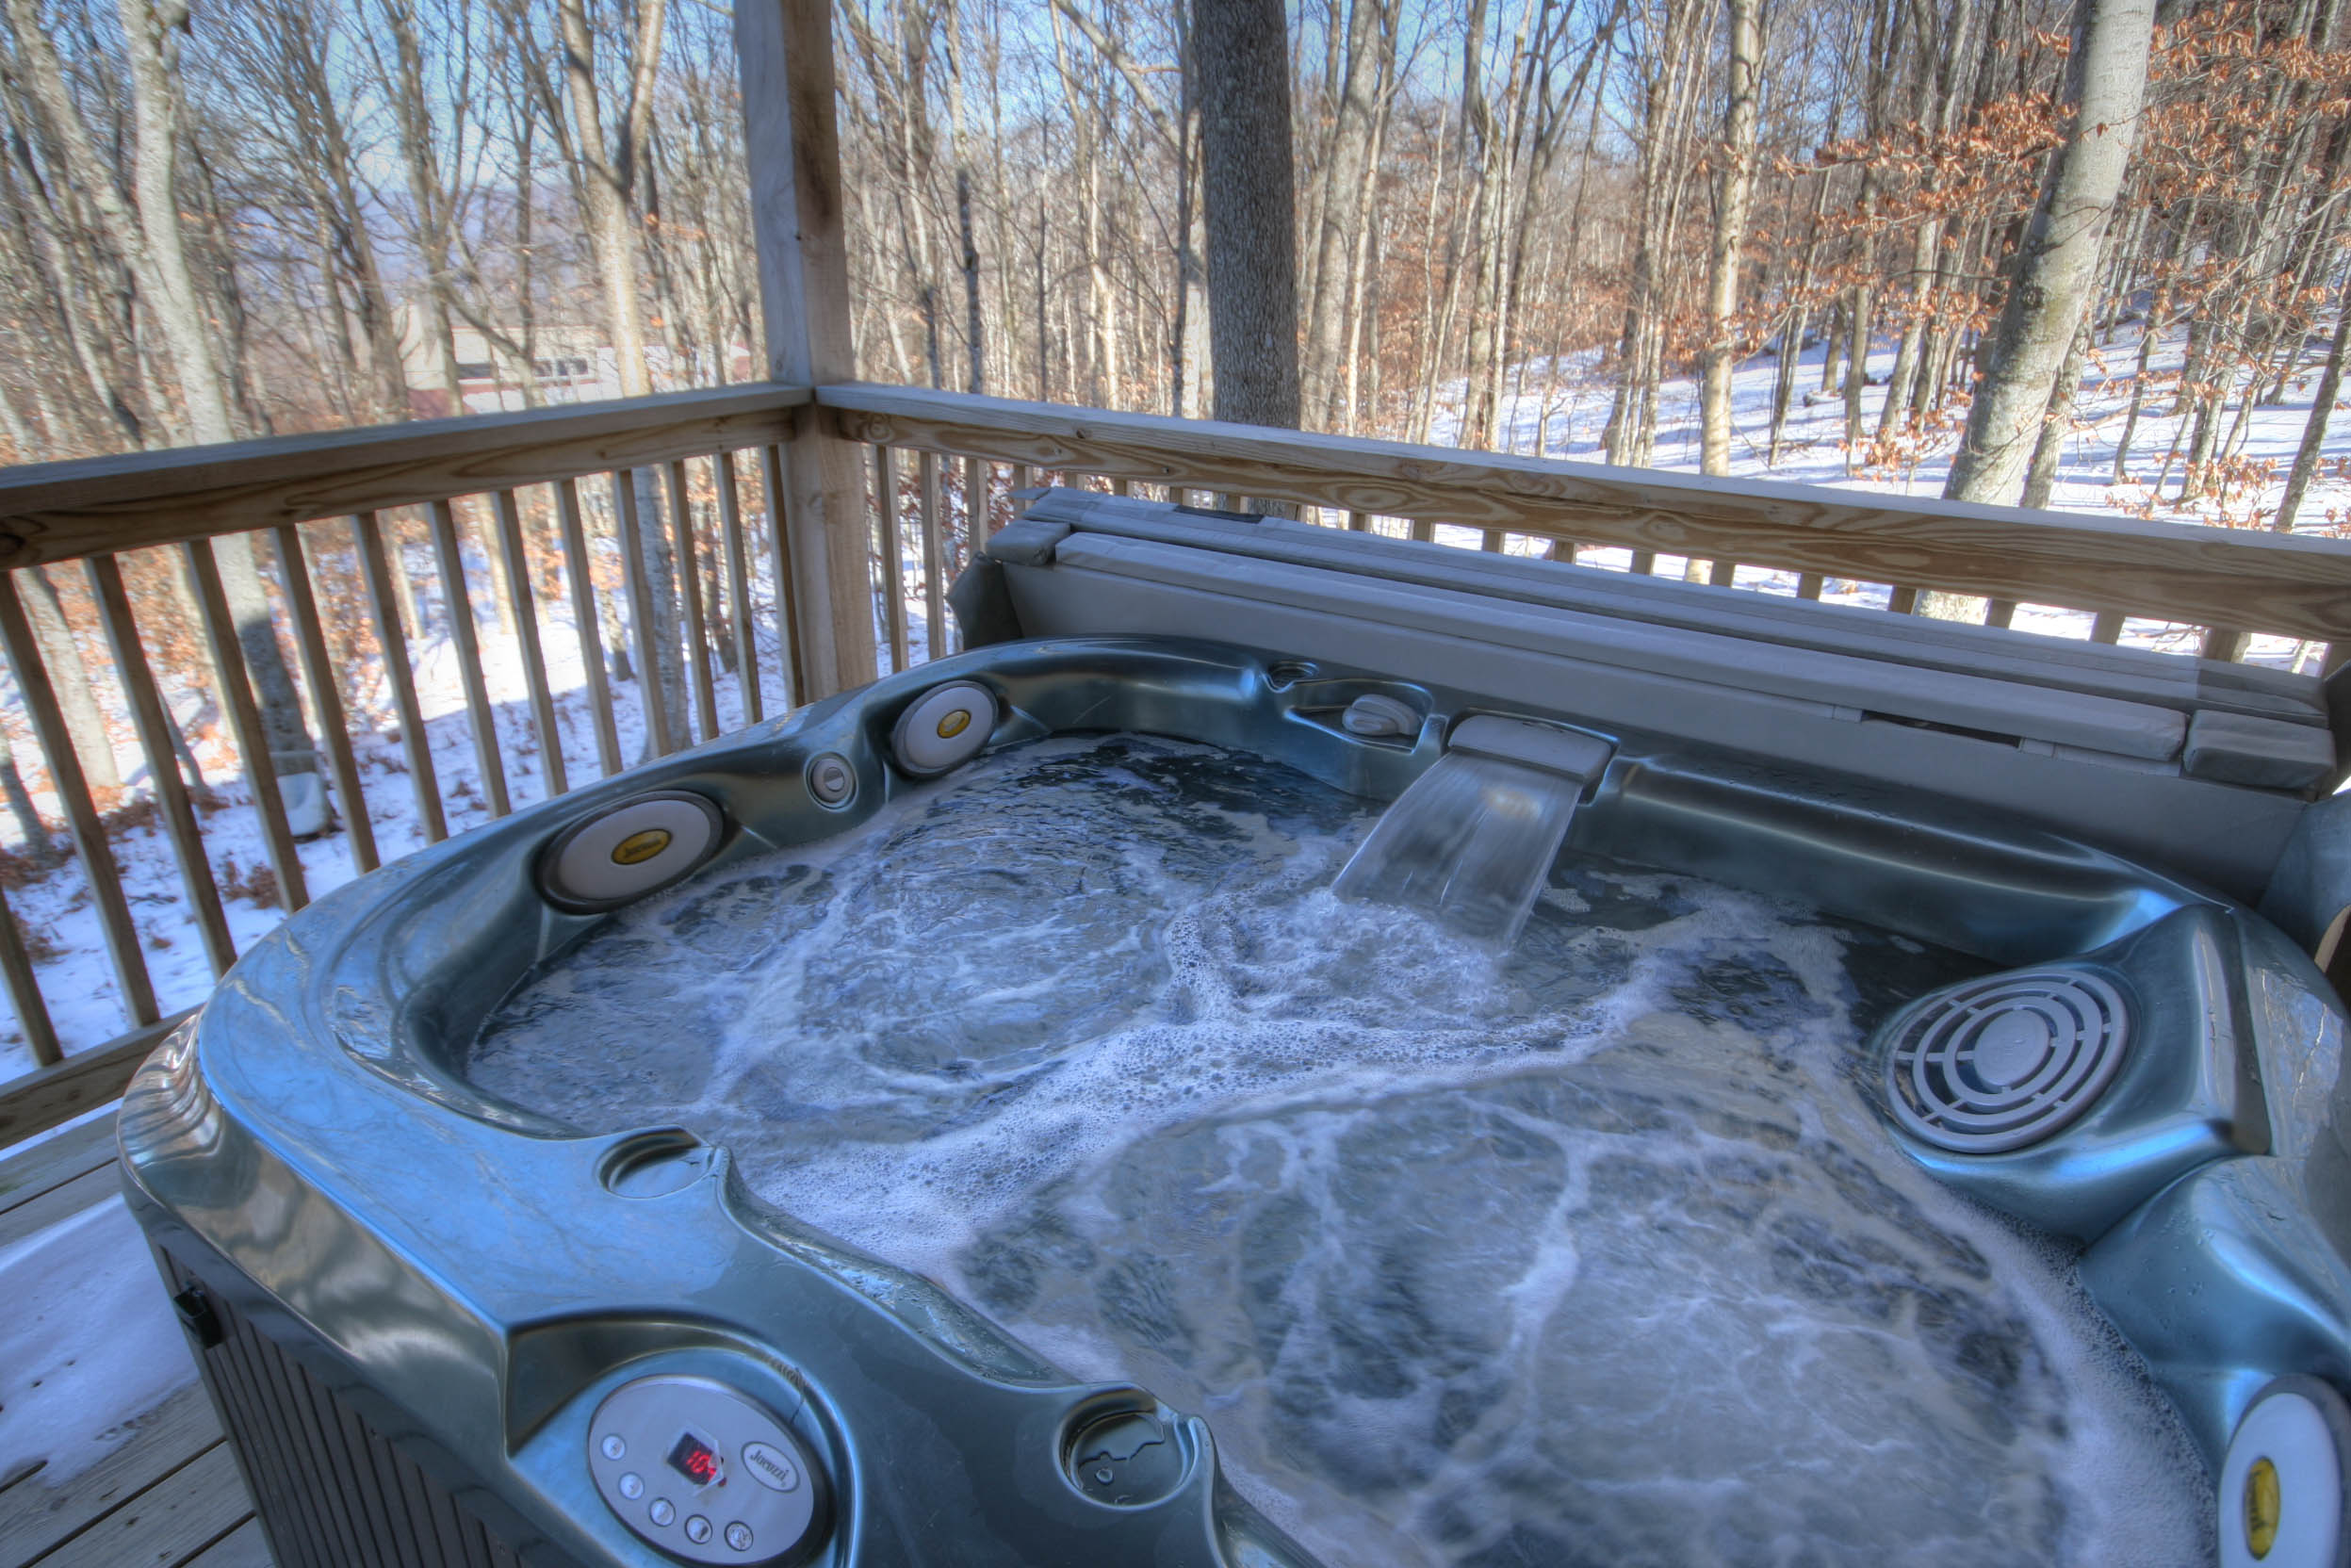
x: 771, y: 1467
x: 708, y: 1475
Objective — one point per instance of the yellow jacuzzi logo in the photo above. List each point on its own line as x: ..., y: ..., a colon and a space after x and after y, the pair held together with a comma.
x: 638, y: 848
x: 955, y: 724
x: 2260, y: 1508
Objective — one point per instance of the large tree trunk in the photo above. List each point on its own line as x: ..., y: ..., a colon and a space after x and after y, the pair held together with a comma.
x: 1343, y: 211
x: 608, y: 189
x: 1241, y: 58
x: 2042, y: 476
x: 148, y: 231
x: 429, y: 197
x: 68, y: 677
x: 2057, y: 263
x: 39, y: 847
x: 1730, y: 235
x: 975, y: 323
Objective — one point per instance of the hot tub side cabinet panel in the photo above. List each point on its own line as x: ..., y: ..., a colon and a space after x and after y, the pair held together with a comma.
x: 332, y: 1487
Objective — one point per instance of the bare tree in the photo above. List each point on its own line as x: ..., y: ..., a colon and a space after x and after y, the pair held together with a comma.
x: 2047, y: 293
x: 1241, y: 63
x: 1736, y: 190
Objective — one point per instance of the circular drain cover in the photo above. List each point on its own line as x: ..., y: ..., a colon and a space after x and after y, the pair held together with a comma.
x: 2005, y: 1061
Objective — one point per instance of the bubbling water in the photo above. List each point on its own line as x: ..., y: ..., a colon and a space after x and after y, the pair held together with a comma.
x: 1595, y: 1254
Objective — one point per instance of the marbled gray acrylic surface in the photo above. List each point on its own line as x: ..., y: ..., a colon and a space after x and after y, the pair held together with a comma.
x: 1597, y: 1254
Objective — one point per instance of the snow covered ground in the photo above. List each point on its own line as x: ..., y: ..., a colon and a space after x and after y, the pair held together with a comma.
x: 1561, y: 419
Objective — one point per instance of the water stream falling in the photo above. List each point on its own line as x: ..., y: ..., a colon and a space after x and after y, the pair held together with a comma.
x: 1469, y: 845
x: 1590, y: 1252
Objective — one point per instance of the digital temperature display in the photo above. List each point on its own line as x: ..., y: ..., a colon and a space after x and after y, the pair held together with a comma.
x: 695, y: 1459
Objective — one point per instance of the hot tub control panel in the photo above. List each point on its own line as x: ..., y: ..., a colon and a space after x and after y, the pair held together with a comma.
x: 701, y: 1472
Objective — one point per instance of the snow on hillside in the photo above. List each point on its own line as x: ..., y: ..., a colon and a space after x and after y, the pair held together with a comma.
x: 1565, y: 421
x: 1559, y: 420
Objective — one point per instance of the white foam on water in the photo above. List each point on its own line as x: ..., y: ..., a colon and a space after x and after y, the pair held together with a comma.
x: 1597, y: 1255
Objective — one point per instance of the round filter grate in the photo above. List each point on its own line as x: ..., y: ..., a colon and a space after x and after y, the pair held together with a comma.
x: 2005, y: 1061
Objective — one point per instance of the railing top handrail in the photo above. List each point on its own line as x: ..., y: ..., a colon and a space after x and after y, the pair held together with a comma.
x: 2187, y: 572
x: 2174, y: 571
x: 62, y: 511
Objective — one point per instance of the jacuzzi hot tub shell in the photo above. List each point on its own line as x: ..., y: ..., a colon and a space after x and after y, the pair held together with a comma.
x: 442, y: 1328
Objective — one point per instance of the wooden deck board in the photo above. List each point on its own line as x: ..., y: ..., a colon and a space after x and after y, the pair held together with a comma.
x: 165, y: 1526
x: 62, y: 1201
x: 242, y: 1547
x: 35, y: 1518
x: 169, y: 1494
x: 47, y: 1166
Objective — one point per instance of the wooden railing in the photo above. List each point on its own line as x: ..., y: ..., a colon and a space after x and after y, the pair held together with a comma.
x: 706, y: 464
x: 548, y: 494
x: 2230, y: 583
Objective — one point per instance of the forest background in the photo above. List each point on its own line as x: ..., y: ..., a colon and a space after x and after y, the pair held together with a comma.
x: 2084, y: 253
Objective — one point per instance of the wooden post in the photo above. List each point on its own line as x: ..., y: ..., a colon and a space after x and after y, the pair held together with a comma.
x: 785, y: 49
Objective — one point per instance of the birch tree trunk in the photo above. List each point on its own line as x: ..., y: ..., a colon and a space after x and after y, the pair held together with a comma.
x: 2057, y: 265
x: 1730, y: 235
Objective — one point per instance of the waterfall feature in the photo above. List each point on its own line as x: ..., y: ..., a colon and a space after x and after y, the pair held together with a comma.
x: 1471, y: 841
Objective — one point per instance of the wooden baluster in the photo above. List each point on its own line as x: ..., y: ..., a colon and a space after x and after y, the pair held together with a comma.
x: 310, y: 642
x: 780, y: 567
x: 1722, y: 574
x: 2107, y: 628
x: 1120, y: 487
x: 657, y: 716
x: 584, y: 619
x: 976, y: 474
x: 252, y: 739
x: 1644, y: 563
x: 458, y: 605
x: 1424, y: 531
x: 525, y: 605
x: 105, y: 575
x: 893, y: 558
x: 934, y: 555
x: 1358, y: 522
x: 2225, y: 644
x: 1808, y: 585
x: 1902, y: 601
x: 32, y: 1011
x: 1019, y: 477
x: 104, y: 880
x: 1491, y: 542
x: 1999, y: 612
x: 688, y: 570
x: 738, y: 587
x: 384, y: 601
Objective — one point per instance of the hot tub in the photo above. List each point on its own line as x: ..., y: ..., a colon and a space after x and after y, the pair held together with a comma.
x: 1086, y: 1102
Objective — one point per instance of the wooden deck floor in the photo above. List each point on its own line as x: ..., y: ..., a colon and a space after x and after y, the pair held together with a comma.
x: 170, y: 1496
